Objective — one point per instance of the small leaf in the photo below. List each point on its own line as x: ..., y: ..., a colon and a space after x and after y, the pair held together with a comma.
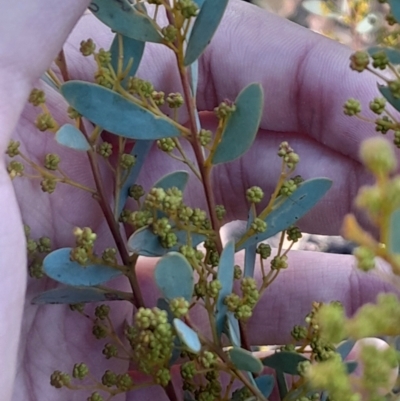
x: 291, y: 209
x: 132, y: 49
x: 284, y: 361
x: 174, y: 276
x: 71, y: 137
x: 140, y: 151
x: 242, y: 126
x: 121, y: 17
x: 76, y: 295
x: 145, y: 243
x: 394, y: 232
x: 344, y: 348
x: 188, y: 336
x: 351, y: 367
x: 205, y: 25
x: 392, y: 54
x: 177, y: 179
x: 58, y: 266
x: 194, y: 78
x: 249, y: 252
x: 387, y: 94
x: 282, y: 385
x: 395, y: 9
x: 114, y: 113
x: 233, y: 329
x: 225, y: 276
x: 265, y: 384
x: 245, y: 360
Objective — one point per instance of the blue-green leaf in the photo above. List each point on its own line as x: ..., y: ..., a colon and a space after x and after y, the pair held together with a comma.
x: 71, y: 137
x: 199, y: 2
x: 394, y: 232
x: 132, y: 49
x: 76, y: 295
x: 49, y: 81
x: 387, y: 94
x: 344, y: 348
x: 242, y: 126
x: 291, y: 209
x: 225, y: 276
x: 205, y: 25
x: 265, y: 384
x: 351, y: 367
x: 284, y: 361
x: 395, y: 9
x: 114, y: 113
x: 58, y: 266
x: 233, y: 329
x: 177, y: 179
x: 245, y: 360
x: 174, y: 276
x: 188, y: 336
x: 145, y: 243
x: 249, y: 252
x: 282, y: 385
x: 140, y: 151
x: 123, y: 18
x: 392, y: 54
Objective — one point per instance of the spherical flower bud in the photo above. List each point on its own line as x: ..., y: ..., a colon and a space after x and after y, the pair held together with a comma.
x: 258, y: 225
x: 51, y: 161
x: 232, y: 301
x: 104, y: 78
x: 102, y: 311
x: 225, y: 109
x: 264, y: 250
x: 136, y: 191
x: 13, y: 148
x: 207, y: 359
x: 175, y: 100
x: 36, y: 269
x: 205, y: 137
x: 380, y: 60
x: 80, y: 371
x: 59, y: 379
x: 254, y: 194
x: 37, y: 97
x: 359, y: 61
x: 106, y: 149
x: 188, y: 370
x: 352, y: 107
x: 109, y: 256
x: 124, y: 382
x: 170, y: 33
x: 110, y: 351
x: 95, y: 397
x: 370, y: 199
x: 299, y: 333
x: 166, y: 144
x: 279, y: 262
x: 163, y: 377
x: 378, y: 105
x: 384, y: 124
x: 169, y: 240
x: 293, y: 233
x: 104, y: 57
x: 99, y: 331
x: 237, y: 272
x: 365, y: 258
x: 44, y: 244
x: 48, y: 185
x: 220, y: 211
x: 243, y: 312
x: 378, y: 156
x: 394, y: 87
x: 87, y: 47
x: 179, y: 307
x: 44, y: 122
x: 109, y: 378
x: 213, y: 288
x: 127, y: 161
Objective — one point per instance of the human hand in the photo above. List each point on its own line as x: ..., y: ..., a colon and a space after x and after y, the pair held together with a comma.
x: 306, y: 81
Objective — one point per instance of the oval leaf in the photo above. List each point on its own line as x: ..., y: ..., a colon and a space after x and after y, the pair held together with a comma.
x: 245, y: 360
x: 114, y: 113
x: 71, y: 137
x: 392, y: 54
x: 205, y: 25
x: 233, y: 329
x: 188, y: 336
x: 177, y: 179
x: 395, y: 9
x: 145, y: 243
x: 292, y: 209
x: 174, y: 276
x: 394, y: 232
x: 140, y: 151
x: 344, y: 348
x: 387, y: 94
x: 265, y: 384
x: 225, y: 276
x: 242, y: 126
x: 77, y: 295
x: 132, y: 49
x: 58, y: 266
x: 123, y: 18
x: 285, y: 362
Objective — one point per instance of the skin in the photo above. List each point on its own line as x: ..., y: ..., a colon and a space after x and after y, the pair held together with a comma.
x: 306, y: 80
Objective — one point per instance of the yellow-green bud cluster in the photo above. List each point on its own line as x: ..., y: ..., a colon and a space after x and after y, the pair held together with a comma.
x: 288, y: 188
x: 224, y: 110
x: 15, y: 169
x: 264, y: 250
x: 51, y: 161
x: 352, y: 107
x: 158, y: 98
x: 106, y: 149
x: 102, y: 311
x: 84, y: 239
x: 138, y: 86
x: 174, y: 100
x: 220, y: 211
x: 80, y: 371
x: 258, y: 225
x: 365, y: 258
x: 396, y: 139
x: 378, y: 105
x: 166, y: 144
x: 394, y: 87
x: 163, y: 377
x: 72, y: 113
x: 59, y: 379
x: 299, y: 333
x: 237, y: 272
x: 77, y: 307
x: 99, y: 331
x: 48, y: 185
x: 87, y: 47
x: 109, y: 256
x: 290, y: 158
x: 207, y: 359
x: 254, y: 194
x: 279, y: 262
x: 110, y: 351
x: 359, y: 61
x: 13, y: 148
x: 124, y: 382
x: 104, y: 57
x: 188, y: 370
x: 293, y: 233
x: 213, y: 288
x: 170, y: 33
x: 44, y: 122
x: 136, y: 191
x: 127, y: 161
x: 95, y: 397
x: 384, y: 124
x: 36, y: 269
x: 380, y: 60
x: 188, y: 8
x: 179, y: 307
x: 37, y: 97
x: 103, y: 77
x: 109, y: 378
x: 205, y: 137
